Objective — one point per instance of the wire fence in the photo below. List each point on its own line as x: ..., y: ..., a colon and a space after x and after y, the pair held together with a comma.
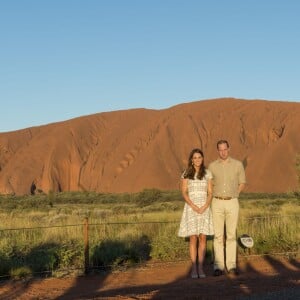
x: 89, y: 246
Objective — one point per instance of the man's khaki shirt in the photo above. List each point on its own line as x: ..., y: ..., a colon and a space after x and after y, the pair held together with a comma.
x: 227, y: 176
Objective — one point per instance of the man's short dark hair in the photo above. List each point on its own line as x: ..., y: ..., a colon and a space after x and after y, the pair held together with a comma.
x: 222, y: 142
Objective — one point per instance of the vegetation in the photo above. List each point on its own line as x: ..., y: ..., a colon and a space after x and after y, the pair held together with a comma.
x: 297, y: 166
x: 43, y: 234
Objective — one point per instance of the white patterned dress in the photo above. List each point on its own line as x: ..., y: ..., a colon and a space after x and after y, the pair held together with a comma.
x: 193, y: 223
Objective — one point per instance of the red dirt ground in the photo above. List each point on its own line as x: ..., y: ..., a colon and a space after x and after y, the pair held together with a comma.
x: 259, y: 276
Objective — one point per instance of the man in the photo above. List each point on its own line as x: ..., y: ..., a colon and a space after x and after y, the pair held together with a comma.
x: 228, y: 181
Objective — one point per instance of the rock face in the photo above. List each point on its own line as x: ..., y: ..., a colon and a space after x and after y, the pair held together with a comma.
x: 130, y: 150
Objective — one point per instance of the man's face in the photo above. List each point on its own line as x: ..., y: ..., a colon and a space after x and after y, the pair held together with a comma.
x: 223, y: 151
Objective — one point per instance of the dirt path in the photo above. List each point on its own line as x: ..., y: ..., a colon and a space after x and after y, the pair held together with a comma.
x: 259, y: 277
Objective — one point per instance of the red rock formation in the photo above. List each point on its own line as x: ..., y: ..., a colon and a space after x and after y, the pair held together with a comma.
x: 130, y: 150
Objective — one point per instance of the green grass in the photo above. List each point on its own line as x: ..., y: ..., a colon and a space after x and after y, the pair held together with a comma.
x: 44, y: 233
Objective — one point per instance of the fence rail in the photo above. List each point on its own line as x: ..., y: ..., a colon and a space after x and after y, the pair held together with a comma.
x: 89, y: 233
x: 135, y: 223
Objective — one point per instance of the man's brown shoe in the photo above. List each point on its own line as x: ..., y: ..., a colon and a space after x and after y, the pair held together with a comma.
x: 218, y: 272
x: 233, y: 271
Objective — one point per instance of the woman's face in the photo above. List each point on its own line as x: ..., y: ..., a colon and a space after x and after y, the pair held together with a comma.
x: 197, y: 160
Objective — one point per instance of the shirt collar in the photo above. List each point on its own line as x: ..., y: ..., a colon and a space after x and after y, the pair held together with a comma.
x: 227, y: 161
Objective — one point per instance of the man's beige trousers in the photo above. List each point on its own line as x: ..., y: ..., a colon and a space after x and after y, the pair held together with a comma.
x: 225, y: 212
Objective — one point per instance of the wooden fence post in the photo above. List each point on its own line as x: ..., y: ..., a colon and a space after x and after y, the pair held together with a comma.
x: 86, y: 246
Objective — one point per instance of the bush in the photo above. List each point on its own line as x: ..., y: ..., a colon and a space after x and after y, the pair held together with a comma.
x: 148, y: 197
x: 114, y: 253
x: 20, y: 272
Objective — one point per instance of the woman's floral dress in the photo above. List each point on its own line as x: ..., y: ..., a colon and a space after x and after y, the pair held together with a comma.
x: 193, y: 223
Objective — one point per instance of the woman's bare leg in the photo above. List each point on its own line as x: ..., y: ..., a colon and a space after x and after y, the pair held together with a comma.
x: 193, y: 254
x: 201, y: 253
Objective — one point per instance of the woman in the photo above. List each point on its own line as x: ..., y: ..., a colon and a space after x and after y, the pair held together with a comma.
x: 196, y: 220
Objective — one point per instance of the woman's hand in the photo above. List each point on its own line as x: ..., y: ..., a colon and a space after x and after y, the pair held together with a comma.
x: 203, y: 208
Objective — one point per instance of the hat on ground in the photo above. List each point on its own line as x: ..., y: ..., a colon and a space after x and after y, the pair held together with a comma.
x: 246, y: 241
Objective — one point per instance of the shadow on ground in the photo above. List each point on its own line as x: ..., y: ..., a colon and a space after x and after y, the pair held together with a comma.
x: 270, y: 277
x: 266, y: 277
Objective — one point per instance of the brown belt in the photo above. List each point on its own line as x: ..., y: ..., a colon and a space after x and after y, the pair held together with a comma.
x: 223, y: 198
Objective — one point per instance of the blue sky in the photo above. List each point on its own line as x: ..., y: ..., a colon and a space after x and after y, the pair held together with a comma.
x: 61, y: 59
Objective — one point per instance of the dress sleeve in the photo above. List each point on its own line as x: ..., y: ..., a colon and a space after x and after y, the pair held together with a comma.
x: 183, y: 174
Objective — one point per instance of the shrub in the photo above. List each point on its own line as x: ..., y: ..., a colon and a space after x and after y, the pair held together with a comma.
x: 20, y: 272
x: 114, y: 253
x: 148, y: 197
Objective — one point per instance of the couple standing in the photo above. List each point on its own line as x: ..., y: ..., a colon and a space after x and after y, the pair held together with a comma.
x: 211, y: 197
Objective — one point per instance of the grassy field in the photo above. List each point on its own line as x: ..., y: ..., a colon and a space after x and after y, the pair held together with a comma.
x: 45, y: 233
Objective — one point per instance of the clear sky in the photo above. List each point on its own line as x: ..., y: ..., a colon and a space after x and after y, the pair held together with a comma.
x: 61, y: 59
